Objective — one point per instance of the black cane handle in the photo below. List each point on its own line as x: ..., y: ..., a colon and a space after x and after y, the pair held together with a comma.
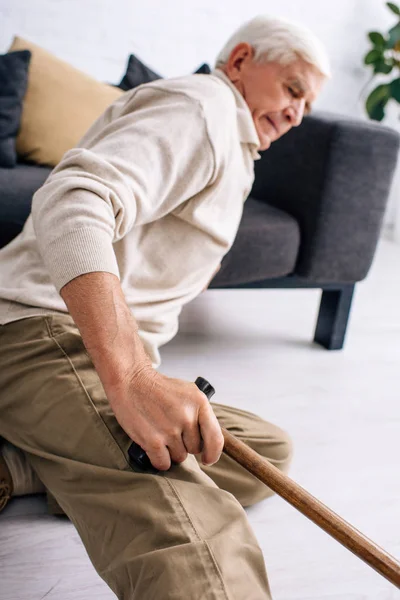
x: 138, y: 456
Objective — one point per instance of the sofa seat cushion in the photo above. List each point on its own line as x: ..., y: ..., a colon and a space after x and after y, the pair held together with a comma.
x: 266, y: 246
x: 17, y: 188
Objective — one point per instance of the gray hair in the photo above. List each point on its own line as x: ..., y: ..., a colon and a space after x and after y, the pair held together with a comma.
x: 278, y: 40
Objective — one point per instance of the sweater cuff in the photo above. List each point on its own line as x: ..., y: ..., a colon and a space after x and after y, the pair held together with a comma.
x: 78, y: 252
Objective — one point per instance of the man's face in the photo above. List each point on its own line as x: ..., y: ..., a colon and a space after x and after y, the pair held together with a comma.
x: 278, y: 96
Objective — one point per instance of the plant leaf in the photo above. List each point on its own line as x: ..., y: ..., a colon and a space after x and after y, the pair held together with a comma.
x: 377, y: 101
x: 377, y: 38
x: 382, y: 67
x: 393, y: 7
x: 394, y: 36
x: 395, y: 89
x: 378, y: 112
x: 373, y: 56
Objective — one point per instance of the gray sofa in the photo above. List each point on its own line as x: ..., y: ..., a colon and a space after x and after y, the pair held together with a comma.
x: 312, y: 220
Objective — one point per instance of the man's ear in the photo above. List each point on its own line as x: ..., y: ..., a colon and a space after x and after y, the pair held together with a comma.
x: 239, y: 57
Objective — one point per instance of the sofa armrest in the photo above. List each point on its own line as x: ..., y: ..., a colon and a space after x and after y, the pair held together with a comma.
x: 333, y: 174
x: 17, y: 187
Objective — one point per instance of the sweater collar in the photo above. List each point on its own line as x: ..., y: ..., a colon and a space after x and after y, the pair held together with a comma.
x: 247, y: 131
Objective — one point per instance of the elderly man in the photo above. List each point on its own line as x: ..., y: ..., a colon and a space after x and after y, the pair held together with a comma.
x: 129, y: 227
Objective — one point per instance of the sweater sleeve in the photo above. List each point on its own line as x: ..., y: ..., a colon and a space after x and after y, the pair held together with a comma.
x: 131, y: 168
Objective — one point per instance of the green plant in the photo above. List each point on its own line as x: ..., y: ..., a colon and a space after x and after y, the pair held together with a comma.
x: 384, y: 58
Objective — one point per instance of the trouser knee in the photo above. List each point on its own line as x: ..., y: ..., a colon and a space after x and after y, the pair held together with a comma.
x: 277, y: 448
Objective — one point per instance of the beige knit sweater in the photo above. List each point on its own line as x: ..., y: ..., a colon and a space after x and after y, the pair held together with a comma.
x: 153, y: 193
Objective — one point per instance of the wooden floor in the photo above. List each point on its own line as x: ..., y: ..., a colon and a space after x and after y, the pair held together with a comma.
x: 341, y: 408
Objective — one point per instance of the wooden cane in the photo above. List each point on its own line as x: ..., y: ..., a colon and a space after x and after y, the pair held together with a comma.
x: 352, y: 539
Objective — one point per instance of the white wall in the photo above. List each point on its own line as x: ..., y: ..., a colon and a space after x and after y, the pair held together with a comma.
x: 175, y: 36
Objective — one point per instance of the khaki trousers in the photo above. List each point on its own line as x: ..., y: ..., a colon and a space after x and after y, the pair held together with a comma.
x: 181, y: 534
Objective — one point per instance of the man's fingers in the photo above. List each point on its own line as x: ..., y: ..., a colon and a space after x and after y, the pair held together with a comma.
x: 212, y: 435
x: 192, y: 440
x: 183, y: 423
x: 159, y: 456
x: 177, y: 450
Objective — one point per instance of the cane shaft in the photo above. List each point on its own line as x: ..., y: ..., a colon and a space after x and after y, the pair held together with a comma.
x: 316, y: 511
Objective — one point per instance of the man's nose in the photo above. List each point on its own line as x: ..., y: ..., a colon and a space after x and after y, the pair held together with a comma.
x: 295, y: 112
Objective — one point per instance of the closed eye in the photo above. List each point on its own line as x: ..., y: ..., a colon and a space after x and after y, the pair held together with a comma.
x: 293, y: 92
x: 300, y: 94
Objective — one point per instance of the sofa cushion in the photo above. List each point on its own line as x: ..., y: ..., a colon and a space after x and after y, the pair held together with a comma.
x: 17, y: 188
x: 204, y: 69
x: 61, y: 103
x: 13, y: 82
x: 137, y: 73
x: 266, y: 246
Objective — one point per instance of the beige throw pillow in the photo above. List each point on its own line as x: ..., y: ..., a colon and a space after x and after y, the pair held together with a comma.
x: 60, y: 104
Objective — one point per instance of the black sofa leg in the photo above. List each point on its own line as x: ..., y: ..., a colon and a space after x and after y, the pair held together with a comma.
x: 333, y: 316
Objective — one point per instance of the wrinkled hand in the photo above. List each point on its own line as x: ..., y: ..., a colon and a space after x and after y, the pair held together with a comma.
x: 167, y: 417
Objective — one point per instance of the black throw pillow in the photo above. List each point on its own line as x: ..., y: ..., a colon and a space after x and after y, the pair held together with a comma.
x: 138, y: 73
x: 204, y: 68
x: 13, y: 83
